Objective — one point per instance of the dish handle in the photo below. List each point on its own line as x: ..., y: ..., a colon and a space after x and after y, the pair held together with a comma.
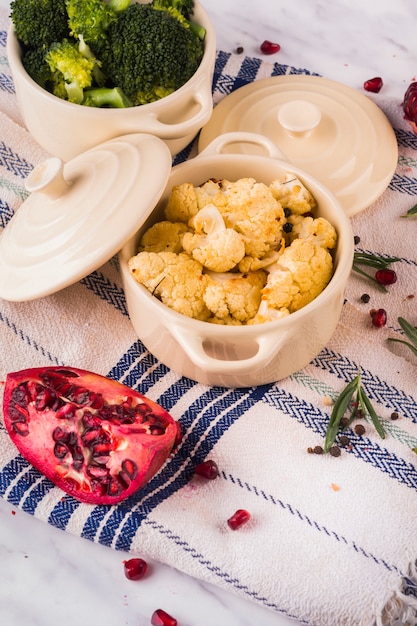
x: 268, y: 347
x: 220, y: 143
x: 202, y: 97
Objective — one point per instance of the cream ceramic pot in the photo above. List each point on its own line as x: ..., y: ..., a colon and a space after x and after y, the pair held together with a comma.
x: 240, y: 356
x: 65, y: 129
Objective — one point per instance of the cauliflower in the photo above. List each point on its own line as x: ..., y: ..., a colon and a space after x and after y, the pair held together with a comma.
x: 234, y: 298
x: 277, y: 251
x: 212, y: 192
x: 318, y: 230
x: 176, y: 279
x: 253, y: 211
x: 292, y: 195
x: 267, y: 313
x: 163, y: 236
x: 301, y: 273
x: 216, y: 247
x: 182, y: 203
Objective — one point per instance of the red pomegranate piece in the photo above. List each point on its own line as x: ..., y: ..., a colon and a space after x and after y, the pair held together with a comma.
x: 238, y: 518
x: 378, y: 317
x: 135, y: 569
x: 373, y: 84
x: 161, y: 618
x: 386, y: 277
x: 269, y: 47
x: 207, y: 469
x: 95, y: 438
x: 410, y: 105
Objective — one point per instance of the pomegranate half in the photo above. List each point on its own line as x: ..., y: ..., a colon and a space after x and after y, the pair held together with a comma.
x: 95, y: 438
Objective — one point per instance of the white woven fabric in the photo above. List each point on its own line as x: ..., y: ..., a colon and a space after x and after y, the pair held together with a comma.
x: 330, y: 540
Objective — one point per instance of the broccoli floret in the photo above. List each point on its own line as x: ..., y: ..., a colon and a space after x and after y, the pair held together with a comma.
x: 38, y: 23
x: 182, y: 11
x: 185, y: 7
x: 106, y: 97
x: 35, y: 64
x: 91, y: 18
x: 149, y: 54
x: 68, y: 65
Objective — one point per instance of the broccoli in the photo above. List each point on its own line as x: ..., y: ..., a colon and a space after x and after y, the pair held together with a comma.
x: 70, y: 67
x: 182, y: 11
x: 91, y: 18
x: 112, y: 97
x: 129, y: 54
x: 38, y: 23
x: 149, y: 54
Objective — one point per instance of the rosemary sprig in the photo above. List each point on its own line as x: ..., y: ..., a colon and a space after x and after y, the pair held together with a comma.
x: 411, y: 332
x: 372, y: 260
x: 342, y: 403
x: 411, y: 212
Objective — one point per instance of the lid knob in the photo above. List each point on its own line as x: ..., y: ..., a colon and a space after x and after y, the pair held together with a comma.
x: 299, y: 116
x: 48, y: 178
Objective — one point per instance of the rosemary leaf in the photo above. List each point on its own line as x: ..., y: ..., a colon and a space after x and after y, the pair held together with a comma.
x: 412, y: 348
x: 372, y: 260
x: 338, y: 411
x: 366, y: 405
x: 410, y: 331
x: 411, y: 212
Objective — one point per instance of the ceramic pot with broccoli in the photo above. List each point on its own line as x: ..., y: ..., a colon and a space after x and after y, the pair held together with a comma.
x: 88, y: 71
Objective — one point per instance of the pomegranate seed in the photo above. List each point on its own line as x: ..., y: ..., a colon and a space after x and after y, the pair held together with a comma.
x: 269, y: 47
x: 379, y: 317
x: 386, y: 277
x: 160, y: 618
x: 207, y: 469
x: 373, y: 84
x: 135, y: 569
x: 410, y: 103
x: 238, y: 519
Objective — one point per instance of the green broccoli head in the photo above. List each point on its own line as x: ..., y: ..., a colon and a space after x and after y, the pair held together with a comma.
x: 39, y: 23
x: 35, y: 64
x: 91, y: 18
x: 70, y: 70
x: 185, y: 7
x: 149, y: 54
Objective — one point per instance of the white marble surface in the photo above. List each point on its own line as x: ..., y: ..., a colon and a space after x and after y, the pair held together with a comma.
x: 48, y: 577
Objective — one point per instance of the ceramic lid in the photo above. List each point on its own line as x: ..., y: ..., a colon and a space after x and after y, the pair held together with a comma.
x: 79, y: 214
x: 331, y: 131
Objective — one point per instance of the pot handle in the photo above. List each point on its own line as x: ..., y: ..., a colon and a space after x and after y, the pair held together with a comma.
x: 218, y: 144
x: 192, y: 345
x: 201, y: 96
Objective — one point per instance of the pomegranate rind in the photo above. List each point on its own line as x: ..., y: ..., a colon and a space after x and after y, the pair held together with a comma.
x: 133, y: 444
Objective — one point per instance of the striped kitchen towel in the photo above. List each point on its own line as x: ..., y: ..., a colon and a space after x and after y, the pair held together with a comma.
x: 330, y: 540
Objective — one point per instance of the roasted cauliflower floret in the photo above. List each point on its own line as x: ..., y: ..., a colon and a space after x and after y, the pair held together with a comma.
x: 253, y: 211
x: 163, y: 236
x: 176, y: 279
x: 216, y: 247
x: 182, y: 203
x: 292, y: 194
x: 301, y: 273
x: 267, y: 313
x: 212, y: 192
x: 234, y: 297
x: 317, y: 230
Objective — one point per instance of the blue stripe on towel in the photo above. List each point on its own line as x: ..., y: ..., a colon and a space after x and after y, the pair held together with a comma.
x: 12, y: 162
x: 377, y: 389
x: 6, y: 83
x: 106, y: 290
x: 403, y: 184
